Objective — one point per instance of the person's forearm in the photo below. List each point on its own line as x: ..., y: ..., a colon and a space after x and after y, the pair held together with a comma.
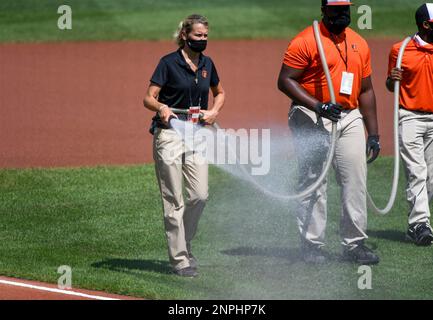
x: 368, y: 110
x: 297, y: 93
x: 152, y: 104
x: 218, y: 102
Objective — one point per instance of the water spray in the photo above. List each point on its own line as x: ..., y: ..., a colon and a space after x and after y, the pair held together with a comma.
x: 391, y: 201
x: 313, y: 187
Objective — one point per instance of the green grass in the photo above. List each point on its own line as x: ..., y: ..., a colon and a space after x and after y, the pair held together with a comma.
x: 106, y: 223
x: 36, y: 20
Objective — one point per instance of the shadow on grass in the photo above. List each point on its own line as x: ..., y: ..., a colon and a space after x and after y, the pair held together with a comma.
x: 393, y: 235
x: 126, y: 265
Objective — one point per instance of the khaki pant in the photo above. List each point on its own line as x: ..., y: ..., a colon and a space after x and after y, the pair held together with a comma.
x: 173, y: 165
x: 312, y: 140
x: 416, y: 150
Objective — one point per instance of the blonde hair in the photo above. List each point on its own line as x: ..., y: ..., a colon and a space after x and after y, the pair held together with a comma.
x: 187, y: 25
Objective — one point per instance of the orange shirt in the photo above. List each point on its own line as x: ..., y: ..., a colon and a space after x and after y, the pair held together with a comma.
x: 302, y: 53
x: 417, y: 85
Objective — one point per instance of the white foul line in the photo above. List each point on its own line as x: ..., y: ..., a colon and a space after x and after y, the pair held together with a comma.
x: 66, y: 292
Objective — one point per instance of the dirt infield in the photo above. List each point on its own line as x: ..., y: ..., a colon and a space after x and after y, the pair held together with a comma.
x: 15, y: 289
x: 75, y: 104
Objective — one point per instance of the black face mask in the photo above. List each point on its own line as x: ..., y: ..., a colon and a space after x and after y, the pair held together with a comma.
x: 336, y: 25
x: 197, y: 45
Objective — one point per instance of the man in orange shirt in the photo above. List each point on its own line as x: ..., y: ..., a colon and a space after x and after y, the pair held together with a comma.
x: 416, y: 122
x: 303, y: 80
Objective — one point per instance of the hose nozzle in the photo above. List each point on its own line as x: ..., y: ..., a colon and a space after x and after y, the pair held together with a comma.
x: 187, y: 112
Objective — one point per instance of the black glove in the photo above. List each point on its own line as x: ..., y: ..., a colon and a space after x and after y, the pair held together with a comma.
x: 373, y: 148
x: 329, y: 110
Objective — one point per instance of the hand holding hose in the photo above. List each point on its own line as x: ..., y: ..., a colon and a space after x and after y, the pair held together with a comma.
x: 329, y: 110
x: 208, y: 116
x: 396, y: 74
x: 373, y: 148
x: 166, y: 114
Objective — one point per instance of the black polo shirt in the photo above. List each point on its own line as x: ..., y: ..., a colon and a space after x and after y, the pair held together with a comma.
x: 181, y: 87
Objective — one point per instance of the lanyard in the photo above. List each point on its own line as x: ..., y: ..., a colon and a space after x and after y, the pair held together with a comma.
x: 196, y: 81
x: 339, y: 51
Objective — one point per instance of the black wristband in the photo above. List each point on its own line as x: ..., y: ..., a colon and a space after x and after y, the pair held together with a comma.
x: 318, y: 106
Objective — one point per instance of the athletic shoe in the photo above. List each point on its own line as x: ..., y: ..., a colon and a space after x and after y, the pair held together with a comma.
x: 420, y: 234
x: 361, y: 254
x: 186, y: 272
x: 313, y: 255
x: 192, y: 261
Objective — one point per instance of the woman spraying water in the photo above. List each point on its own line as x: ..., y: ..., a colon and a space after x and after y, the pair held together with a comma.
x: 182, y: 80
